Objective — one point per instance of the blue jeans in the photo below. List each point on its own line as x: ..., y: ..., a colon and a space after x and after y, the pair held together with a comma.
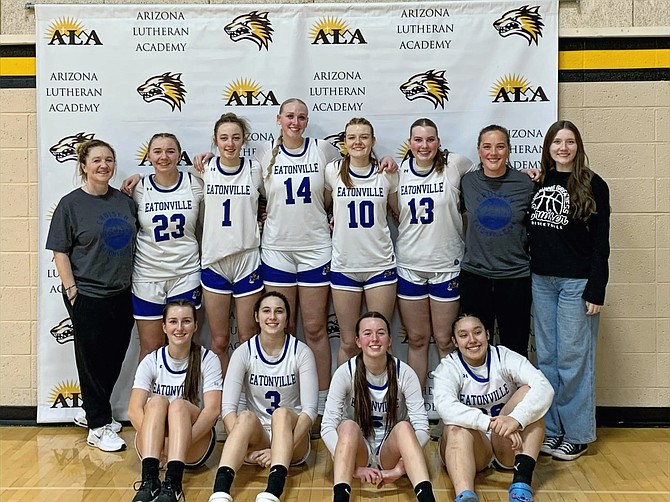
x: 565, y: 338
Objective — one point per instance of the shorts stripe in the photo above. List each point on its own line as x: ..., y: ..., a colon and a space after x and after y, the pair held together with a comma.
x: 342, y: 281
x: 148, y: 311
x: 252, y: 283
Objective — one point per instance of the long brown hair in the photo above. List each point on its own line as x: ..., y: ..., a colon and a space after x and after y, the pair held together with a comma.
x: 280, y: 139
x: 362, y: 403
x: 344, y: 173
x: 440, y: 159
x: 582, y: 203
x: 192, y: 380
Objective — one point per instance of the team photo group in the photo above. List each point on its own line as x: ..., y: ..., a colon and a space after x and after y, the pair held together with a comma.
x: 459, y: 249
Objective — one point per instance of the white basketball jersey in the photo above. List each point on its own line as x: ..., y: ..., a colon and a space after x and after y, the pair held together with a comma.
x: 161, y: 375
x: 430, y: 234
x: 361, y: 237
x: 231, y: 210
x: 166, y: 244
x: 287, y: 380
x: 296, y: 217
x: 340, y: 402
x: 489, y: 390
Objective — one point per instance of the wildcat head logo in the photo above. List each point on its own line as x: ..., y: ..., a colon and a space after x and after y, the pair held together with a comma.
x: 430, y: 85
x: 524, y: 21
x: 254, y: 26
x: 337, y: 140
x: 66, y: 148
x: 63, y: 332
x: 167, y: 87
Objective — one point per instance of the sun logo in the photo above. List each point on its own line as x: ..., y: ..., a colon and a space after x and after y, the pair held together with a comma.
x: 66, y: 148
x: 247, y: 92
x: 51, y: 211
x: 430, y: 85
x: 142, y: 153
x: 508, y: 83
x: 166, y: 87
x: 403, y: 151
x: 63, y: 332
x: 254, y: 26
x: 63, y: 25
x: 337, y: 140
x: 66, y: 394
x: 524, y: 21
x: 69, y: 31
x: 334, y: 31
x: 516, y: 89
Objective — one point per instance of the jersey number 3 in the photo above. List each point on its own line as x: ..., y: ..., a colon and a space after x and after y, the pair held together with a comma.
x: 274, y: 398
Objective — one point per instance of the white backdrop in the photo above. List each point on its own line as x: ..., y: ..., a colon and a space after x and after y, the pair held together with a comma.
x: 124, y: 72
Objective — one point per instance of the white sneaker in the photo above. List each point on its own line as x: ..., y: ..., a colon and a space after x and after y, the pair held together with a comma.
x: 266, y: 497
x: 105, y: 439
x: 220, y: 497
x: 80, y: 420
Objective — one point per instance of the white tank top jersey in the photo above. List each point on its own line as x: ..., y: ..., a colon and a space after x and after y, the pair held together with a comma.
x: 166, y: 243
x: 161, y: 375
x: 288, y: 380
x: 468, y: 396
x: 339, y: 404
x: 296, y: 217
x: 430, y: 215
x: 231, y: 210
x: 361, y: 236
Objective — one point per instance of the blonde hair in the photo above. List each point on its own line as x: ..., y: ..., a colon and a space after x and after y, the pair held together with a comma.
x: 280, y: 139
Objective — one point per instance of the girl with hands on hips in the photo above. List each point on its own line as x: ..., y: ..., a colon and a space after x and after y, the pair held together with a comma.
x: 375, y: 424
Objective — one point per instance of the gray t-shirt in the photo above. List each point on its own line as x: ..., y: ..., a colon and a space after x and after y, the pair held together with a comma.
x: 98, y: 234
x: 496, y: 237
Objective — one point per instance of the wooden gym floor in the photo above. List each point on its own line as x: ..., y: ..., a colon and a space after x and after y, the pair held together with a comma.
x: 54, y: 464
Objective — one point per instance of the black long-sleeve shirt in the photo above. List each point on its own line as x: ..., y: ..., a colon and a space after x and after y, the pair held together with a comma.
x: 562, y: 246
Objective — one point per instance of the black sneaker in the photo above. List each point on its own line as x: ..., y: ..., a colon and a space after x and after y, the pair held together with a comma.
x: 550, y: 444
x: 170, y: 492
x: 147, y: 491
x: 569, y: 451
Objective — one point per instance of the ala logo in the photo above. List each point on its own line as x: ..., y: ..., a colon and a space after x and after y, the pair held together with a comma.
x: 337, y: 140
x: 430, y: 85
x: 63, y: 332
x: 403, y: 151
x: 254, y: 26
x: 334, y: 31
x: 142, y: 156
x: 524, y: 21
x: 68, y: 31
x: 66, y: 394
x: 247, y: 92
x: 516, y: 89
x: 166, y: 87
x: 66, y: 148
